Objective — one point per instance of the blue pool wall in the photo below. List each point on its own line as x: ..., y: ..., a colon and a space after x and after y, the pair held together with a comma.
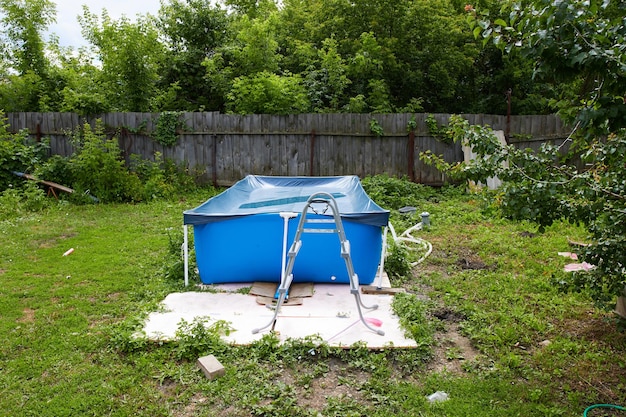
x: 249, y: 248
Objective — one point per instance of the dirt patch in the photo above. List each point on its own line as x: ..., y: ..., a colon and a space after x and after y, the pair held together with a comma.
x: 604, y: 329
x: 472, y: 263
x: 28, y: 316
x: 452, y: 350
x: 336, y: 383
x: 192, y: 407
x: 54, y: 241
x: 168, y: 387
x: 461, y: 256
x: 447, y: 315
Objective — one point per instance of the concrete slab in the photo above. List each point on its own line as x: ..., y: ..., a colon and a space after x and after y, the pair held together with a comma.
x: 331, y: 314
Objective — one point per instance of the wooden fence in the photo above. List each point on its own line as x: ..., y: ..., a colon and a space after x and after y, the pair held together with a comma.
x: 223, y: 148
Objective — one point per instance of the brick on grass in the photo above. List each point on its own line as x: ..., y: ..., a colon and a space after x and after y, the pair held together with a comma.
x: 211, y: 367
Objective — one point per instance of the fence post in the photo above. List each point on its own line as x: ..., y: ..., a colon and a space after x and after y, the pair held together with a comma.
x: 312, y: 158
x: 214, y: 161
x: 411, y: 155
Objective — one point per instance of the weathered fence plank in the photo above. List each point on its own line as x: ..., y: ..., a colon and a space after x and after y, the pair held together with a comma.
x: 222, y: 148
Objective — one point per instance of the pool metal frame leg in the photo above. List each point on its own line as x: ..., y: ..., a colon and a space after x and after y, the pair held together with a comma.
x: 323, y: 225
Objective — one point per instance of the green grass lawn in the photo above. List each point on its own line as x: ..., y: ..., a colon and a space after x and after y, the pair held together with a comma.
x: 509, y: 344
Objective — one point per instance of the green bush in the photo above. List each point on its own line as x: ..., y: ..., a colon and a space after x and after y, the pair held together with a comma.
x: 18, y: 154
x: 57, y: 169
x: 152, y: 176
x: 397, y: 264
x: 161, y: 178
x: 26, y: 197
x: 98, y: 168
x: 179, y: 176
x: 393, y: 193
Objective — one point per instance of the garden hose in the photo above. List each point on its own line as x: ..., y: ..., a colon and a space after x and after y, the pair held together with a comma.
x: 591, y: 407
x: 407, y: 237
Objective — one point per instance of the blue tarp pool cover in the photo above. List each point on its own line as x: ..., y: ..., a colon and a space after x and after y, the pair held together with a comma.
x: 266, y: 194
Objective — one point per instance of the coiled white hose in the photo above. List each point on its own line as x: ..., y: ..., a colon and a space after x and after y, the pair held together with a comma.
x: 404, y: 237
x: 407, y: 237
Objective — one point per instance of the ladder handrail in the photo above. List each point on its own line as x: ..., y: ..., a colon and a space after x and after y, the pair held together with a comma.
x: 287, y: 274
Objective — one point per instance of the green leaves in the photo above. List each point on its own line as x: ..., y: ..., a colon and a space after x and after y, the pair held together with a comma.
x: 129, y: 53
x: 167, y: 126
x: 578, y: 42
x: 540, y: 187
x: 267, y: 93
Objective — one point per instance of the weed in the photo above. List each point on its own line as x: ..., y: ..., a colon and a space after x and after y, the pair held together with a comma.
x: 167, y: 125
x: 376, y: 128
x: 393, y: 193
x: 413, y: 318
x: 18, y: 154
x: 397, y: 263
x: 198, y: 338
x: 21, y: 200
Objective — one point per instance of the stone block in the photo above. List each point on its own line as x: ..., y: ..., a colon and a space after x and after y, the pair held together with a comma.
x: 211, y: 367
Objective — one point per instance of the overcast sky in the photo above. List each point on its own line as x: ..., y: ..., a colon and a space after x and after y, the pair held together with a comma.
x: 68, y: 29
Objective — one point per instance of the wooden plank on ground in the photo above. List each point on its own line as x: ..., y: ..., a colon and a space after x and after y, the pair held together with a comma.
x: 373, y: 289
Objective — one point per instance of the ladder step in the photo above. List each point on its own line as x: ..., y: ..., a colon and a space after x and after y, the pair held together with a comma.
x: 320, y: 221
x: 319, y: 231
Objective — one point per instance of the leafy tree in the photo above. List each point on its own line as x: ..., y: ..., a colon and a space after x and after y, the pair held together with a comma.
x: 396, y: 53
x: 327, y: 84
x: 253, y: 59
x: 129, y: 53
x: 193, y: 31
x: 252, y: 8
x: 269, y: 93
x: 438, y: 54
x: 218, y: 78
x: 579, y: 43
x: 82, y: 90
x: 351, y: 55
x: 21, y: 92
x: 24, y: 52
x: 368, y: 62
x: 24, y: 22
x: 256, y: 46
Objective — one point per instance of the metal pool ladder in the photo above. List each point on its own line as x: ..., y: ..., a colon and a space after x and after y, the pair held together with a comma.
x: 309, y: 224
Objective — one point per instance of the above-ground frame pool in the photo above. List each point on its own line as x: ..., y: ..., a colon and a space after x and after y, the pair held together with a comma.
x: 238, y: 234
